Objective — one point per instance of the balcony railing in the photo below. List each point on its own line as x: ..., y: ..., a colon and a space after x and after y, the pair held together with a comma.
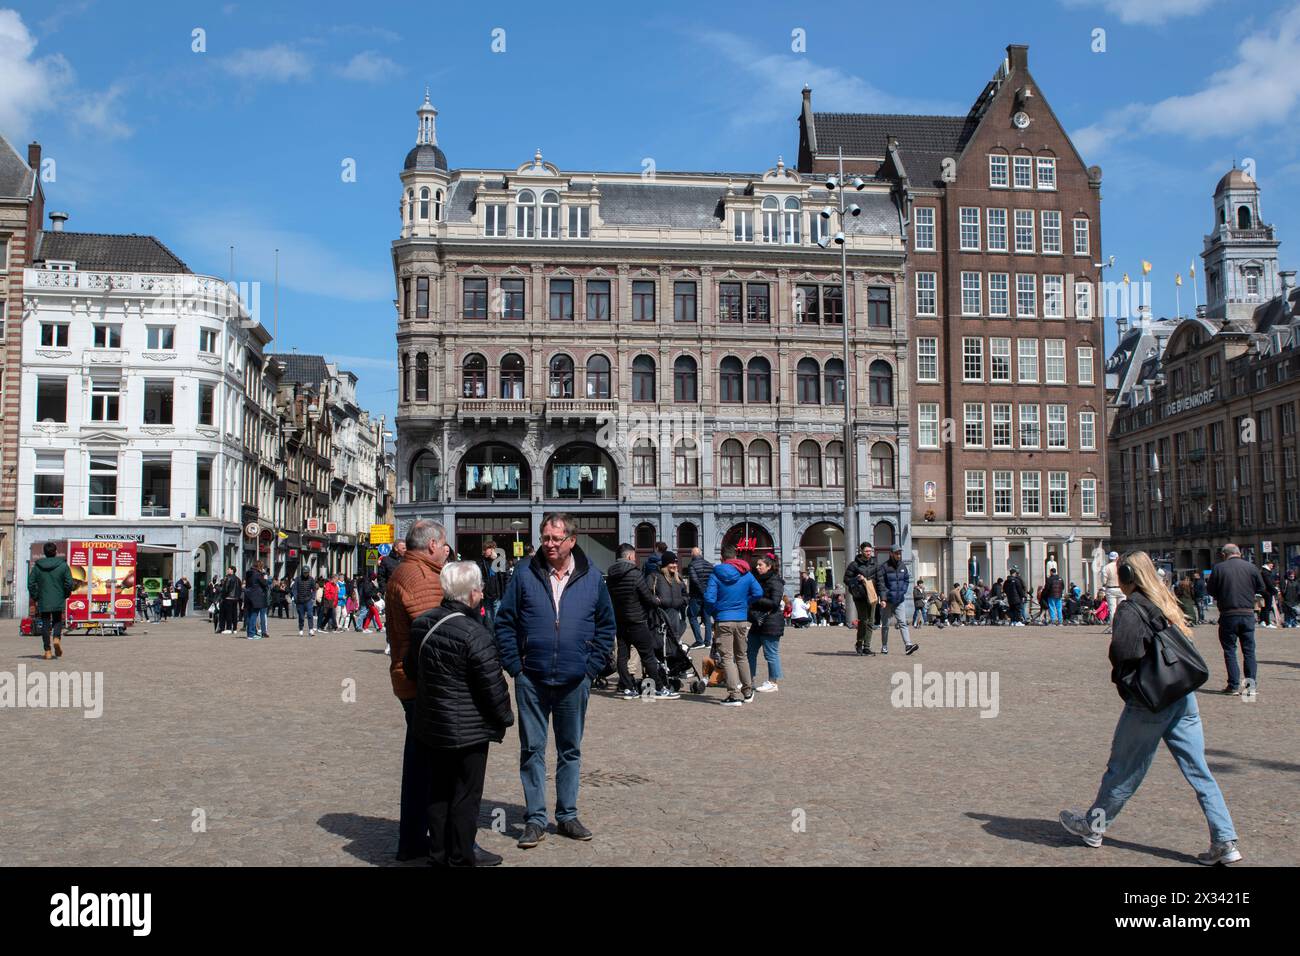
x: 493, y: 406
x: 580, y: 406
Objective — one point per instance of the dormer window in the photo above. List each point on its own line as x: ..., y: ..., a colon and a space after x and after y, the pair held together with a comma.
x: 743, y: 224
x: 579, y: 222
x: 60, y: 265
x: 550, y: 215
x: 424, y: 202
x: 525, y: 214
x: 793, y: 217
x: 437, y: 206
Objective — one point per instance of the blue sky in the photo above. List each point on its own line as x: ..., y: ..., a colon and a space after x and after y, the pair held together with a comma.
x: 243, y: 144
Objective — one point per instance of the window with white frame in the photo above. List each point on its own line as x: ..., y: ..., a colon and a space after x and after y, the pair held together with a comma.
x: 972, y: 359
x: 1046, y: 172
x: 1058, y: 435
x: 1082, y: 242
x: 924, y: 228
x: 792, y: 217
x: 579, y: 222
x: 1025, y: 231
x: 1058, y: 493
x: 106, y: 336
x: 1083, y: 300
x: 1027, y: 354
x: 927, y: 300
x: 927, y: 425
x: 999, y: 360
x: 743, y: 225
x: 1054, y: 361
x: 494, y: 220
x: 1002, y: 493
x: 997, y: 230
x: 1023, y: 171
x: 771, y: 219
x: 54, y: 335
x: 1001, y: 422
x: 1083, y: 359
x: 1031, y: 501
x: 970, y: 228
x: 1051, y: 232
x: 1026, y: 296
x: 208, y: 341
x: 970, y: 293
x: 998, y: 170
x: 101, y: 490
x: 975, y: 492
x: 1030, y: 436
x: 160, y: 337
x: 47, y: 483
x: 999, y: 296
x: 550, y: 221
x: 927, y: 360
x: 1053, y: 297
x: 973, y: 422
x: 1088, y: 497
x: 1088, y: 431
x: 106, y: 400
x: 525, y: 214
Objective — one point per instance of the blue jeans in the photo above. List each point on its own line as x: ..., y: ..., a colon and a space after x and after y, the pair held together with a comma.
x: 771, y: 653
x: 1232, y: 627
x: 566, y: 707
x: 417, y: 791
x: 1054, y: 610
x: 1137, y: 737
x: 256, y: 621
x: 695, y: 613
x: 307, y: 612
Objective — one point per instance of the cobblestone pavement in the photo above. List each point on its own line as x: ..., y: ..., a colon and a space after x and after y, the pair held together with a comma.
x: 259, y: 738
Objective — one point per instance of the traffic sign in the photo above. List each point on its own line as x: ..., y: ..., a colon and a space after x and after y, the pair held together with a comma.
x: 372, y: 556
x: 384, y: 550
x: 381, y: 534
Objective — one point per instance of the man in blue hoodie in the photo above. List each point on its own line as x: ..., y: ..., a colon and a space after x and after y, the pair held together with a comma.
x: 728, y: 596
x: 554, y: 631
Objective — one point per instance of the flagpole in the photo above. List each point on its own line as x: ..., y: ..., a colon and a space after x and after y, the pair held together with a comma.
x: 1178, y: 299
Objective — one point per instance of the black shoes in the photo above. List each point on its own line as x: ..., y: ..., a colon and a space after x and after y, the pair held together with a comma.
x: 532, y: 835
x: 484, y: 857
x: 912, y: 648
x: 405, y: 856
x: 573, y: 829
x: 1230, y: 690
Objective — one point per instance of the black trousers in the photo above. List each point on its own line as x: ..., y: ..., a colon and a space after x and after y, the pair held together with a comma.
x: 456, y: 795
x: 49, y: 624
x: 230, y: 615
x: 638, y: 636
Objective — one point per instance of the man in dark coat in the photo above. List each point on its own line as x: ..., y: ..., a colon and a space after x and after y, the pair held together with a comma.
x: 182, y: 596
x: 807, y: 586
x: 892, y: 583
x: 1015, y: 592
x: 698, y: 573
x: 304, y: 599
x: 50, y: 585
x: 632, y: 598
x: 861, y: 572
x: 232, y: 598
x: 1053, y: 591
x: 389, y: 564
x: 1234, y: 584
x: 462, y: 703
x: 257, y: 596
x: 492, y: 568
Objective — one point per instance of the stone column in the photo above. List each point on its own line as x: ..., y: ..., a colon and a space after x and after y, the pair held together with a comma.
x: 997, y: 559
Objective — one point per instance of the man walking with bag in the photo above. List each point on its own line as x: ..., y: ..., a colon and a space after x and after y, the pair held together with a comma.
x: 860, y: 579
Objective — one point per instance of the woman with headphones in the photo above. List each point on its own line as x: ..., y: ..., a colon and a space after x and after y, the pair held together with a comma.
x: 1148, y: 608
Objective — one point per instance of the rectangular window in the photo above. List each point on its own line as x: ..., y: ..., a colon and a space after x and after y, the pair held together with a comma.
x: 158, y: 402
x: 1031, y: 502
x: 1083, y: 300
x: 998, y: 170
x: 924, y: 228
x: 1053, y: 297
x: 102, y: 486
x: 512, y: 299
x: 1027, y: 349
x: 1025, y: 231
x: 757, y: 303
x: 422, y: 297
x: 644, y: 465
x: 686, y: 465
x: 474, y: 298
x: 160, y: 337
x: 1054, y: 361
x: 970, y: 293
x: 1026, y: 296
x: 1082, y: 242
x: 48, y: 483
x: 973, y: 422
x: 1002, y: 493
x: 999, y: 360
x: 1046, y: 172
x: 1023, y: 167
x: 597, y: 300
x: 970, y: 228
x: 927, y: 360
x: 579, y: 217
x: 54, y: 335
x: 1051, y: 232
x: 927, y: 425
x: 105, y: 400
x: 731, y: 302
x: 1057, y: 428
x: 1058, y: 493
x: 1288, y: 410
x: 51, y: 399
x: 108, y: 336
x: 683, y: 301
x: 1083, y: 359
x: 524, y: 220
x: 643, y: 301
x: 999, y: 296
x: 833, y: 304
x: 561, y: 309
x: 1088, y: 431
x: 208, y: 341
x: 997, y: 230
x: 203, y: 488
x: 494, y: 220
x: 879, y: 311
x: 207, y: 404
x: 1001, y: 424
x: 972, y: 365
x: 155, y: 487
x: 1029, y: 427
x: 1088, y: 497
x: 927, y: 302
x: 743, y: 225
x: 975, y: 492
x: 807, y: 303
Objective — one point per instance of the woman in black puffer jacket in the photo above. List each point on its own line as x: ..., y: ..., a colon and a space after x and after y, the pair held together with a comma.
x: 767, y: 622
x: 462, y: 703
x: 669, y: 587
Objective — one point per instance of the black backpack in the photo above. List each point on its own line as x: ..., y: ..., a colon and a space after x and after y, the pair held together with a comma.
x: 1170, y: 670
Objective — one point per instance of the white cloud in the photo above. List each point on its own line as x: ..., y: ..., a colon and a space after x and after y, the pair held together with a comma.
x: 28, y: 85
x: 1261, y: 89
x: 277, y: 63
x: 1146, y: 12
x: 99, y: 112
x: 370, y: 67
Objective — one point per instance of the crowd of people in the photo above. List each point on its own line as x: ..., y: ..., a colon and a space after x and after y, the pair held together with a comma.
x: 334, y: 602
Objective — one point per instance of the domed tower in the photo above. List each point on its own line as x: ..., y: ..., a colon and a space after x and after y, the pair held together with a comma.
x: 424, y: 178
x: 1241, y: 264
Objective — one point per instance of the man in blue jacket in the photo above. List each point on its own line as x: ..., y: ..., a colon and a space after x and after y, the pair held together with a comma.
x: 892, y: 581
x: 731, y: 590
x: 554, y: 631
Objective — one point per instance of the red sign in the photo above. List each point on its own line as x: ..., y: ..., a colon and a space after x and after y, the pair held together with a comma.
x: 316, y: 545
x: 104, y: 574
x: 313, y: 524
x: 331, y: 527
x: 747, y: 544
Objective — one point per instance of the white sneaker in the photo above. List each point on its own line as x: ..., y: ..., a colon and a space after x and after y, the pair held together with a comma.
x: 1220, y: 853
x: 766, y: 687
x: 300, y: 633
x: 227, y: 632
x: 1074, y: 822
x: 312, y: 633
x: 388, y: 650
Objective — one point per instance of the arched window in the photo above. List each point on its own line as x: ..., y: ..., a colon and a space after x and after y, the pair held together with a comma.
x: 771, y: 219
x: 561, y: 377
x: 410, y: 205
x: 810, y: 464
x: 406, y: 377
x: 791, y: 231
x: 835, y: 464
x: 473, y: 376
x: 426, y: 479
x: 424, y: 202
x: 1243, y: 217
x: 598, y: 377
x: 759, y: 381
x: 882, y: 383
x: 581, y: 471
x: 493, y: 470
x: 437, y: 206
x: 645, y: 464
x: 882, y: 535
x: 882, y: 465
x: 688, y: 536
x: 686, y: 463
x: 512, y: 376
x: 731, y: 380
x: 643, y: 539
x: 422, y: 377
x: 550, y: 221
x: 760, y: 464
x: 731, y: 464
x: 525, y: 214
x: 643, y: 379
x: 808, y: 388
x: 834, y: 374
x: 685, y: 380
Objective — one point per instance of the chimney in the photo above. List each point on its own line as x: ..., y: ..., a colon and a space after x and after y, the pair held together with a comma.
x: 1200, y: 311
x: 1018, y: 58
x: 1288, y: 281
x: 1121, y: 323
x: 57, y: 219
x: 1144, y: 316
x: 807, y: 95
x: 34, y: 157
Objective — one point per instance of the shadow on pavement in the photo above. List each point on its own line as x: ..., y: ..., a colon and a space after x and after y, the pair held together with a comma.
x: 373, y: 840
x: 1256, y: 761
x: 1281, y: 663
x: 1049, y: 833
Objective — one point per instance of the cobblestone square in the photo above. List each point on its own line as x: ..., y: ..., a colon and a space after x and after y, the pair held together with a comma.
x: 257, y: 741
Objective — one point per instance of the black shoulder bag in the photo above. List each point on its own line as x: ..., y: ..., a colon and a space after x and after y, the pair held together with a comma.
x: 1171, y: 668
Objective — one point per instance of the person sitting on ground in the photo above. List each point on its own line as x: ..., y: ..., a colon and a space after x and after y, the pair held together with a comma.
x: 799, y: 616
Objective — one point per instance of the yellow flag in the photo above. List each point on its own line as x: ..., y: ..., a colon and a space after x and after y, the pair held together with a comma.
x: 1126, y: 280
x: 1178, y: 278
x: 1192, y: 271
x: 1146, y: 267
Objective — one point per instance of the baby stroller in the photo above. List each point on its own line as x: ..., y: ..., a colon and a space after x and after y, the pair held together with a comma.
x: 679, y: 670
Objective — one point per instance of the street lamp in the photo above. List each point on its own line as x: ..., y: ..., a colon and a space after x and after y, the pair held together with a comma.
x: 517, y: 524
x: 830, y: 548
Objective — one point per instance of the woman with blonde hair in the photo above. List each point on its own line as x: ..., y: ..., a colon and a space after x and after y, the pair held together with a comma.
x: 1149, y: 609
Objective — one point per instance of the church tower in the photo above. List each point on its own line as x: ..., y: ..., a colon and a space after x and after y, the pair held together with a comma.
x: 1241, y: 264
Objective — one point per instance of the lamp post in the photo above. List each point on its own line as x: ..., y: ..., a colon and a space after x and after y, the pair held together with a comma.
x: 830, y: 547
x: 835, y: 186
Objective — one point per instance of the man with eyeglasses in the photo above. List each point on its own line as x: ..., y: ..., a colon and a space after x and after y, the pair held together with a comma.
x: 554, y: 631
